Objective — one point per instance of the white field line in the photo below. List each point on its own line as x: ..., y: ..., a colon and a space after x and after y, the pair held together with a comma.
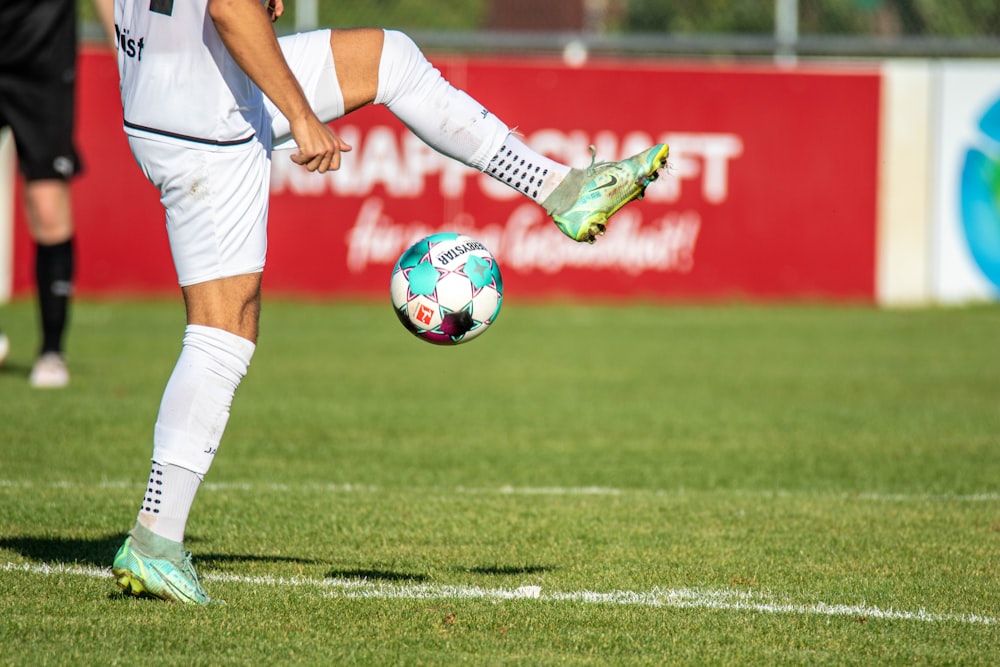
x: 506, y: 490
x: 683, y: 598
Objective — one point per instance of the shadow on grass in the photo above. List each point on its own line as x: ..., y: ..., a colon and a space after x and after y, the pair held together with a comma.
x: 508, y: 570
x: 15, y: 369
x: 212, y: 560
x: 375, y: 575
x: 100, y: 551
x: 96, y: 551
x: 362, y: 574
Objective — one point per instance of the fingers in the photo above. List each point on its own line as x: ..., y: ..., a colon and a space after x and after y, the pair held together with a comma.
x: 319, y: 148
x: 275, y: 8
x: 323, y: 159
x: 319, y: 163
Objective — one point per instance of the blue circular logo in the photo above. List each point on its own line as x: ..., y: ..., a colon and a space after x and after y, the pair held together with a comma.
x: 981, y: 196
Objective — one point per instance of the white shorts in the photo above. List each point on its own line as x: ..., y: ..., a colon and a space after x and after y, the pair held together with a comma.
x: 216, y: 197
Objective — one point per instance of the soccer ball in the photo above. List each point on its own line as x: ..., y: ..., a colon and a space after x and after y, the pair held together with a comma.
x: 447, y: 288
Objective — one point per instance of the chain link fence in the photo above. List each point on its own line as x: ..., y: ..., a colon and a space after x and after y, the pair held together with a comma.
x: 926, y: 28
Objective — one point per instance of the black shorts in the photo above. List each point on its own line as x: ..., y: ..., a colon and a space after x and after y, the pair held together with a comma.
x: 38, y: 85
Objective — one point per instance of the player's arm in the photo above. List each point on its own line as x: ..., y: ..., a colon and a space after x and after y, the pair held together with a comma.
x: 106, y: 14
x: 245, y: 29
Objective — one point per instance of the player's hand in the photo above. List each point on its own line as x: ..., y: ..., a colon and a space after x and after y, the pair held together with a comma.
x: 319, y: 148
x: 275, y: 8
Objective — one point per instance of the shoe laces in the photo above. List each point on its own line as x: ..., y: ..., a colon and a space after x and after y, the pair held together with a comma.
x: 187, y: 567
x: 594, y: 166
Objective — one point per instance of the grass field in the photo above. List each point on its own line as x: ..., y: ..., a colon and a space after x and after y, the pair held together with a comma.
x: 581, y: 486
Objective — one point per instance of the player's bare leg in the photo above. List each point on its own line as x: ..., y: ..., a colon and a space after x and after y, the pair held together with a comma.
x: 356, y: 56
x: 231, y: 304
x: 49, y: 209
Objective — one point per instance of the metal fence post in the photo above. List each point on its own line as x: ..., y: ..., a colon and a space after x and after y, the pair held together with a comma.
x: 786, y: 29
x: 306, y: 15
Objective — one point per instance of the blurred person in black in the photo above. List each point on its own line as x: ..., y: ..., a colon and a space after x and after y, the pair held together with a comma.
x: 38, y: 46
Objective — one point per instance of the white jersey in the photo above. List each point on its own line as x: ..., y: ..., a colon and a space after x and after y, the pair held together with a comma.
x: 178, y: 80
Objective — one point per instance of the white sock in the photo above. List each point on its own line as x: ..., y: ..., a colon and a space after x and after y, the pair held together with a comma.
x: 192, y: 418
x: 168, y: 500
x: 451, y: 122
x: 530, y: 173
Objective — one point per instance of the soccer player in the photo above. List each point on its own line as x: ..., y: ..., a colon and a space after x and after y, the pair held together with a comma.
x: 207, y: 91
x: 37, y: 85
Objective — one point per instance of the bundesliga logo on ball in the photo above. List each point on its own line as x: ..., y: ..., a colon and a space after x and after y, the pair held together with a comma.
x: 447, y: 288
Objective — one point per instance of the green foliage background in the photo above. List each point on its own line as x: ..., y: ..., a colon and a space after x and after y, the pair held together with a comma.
x: 828, y: 17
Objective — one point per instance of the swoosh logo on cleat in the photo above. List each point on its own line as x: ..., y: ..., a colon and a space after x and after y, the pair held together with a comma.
x: 612, y: 180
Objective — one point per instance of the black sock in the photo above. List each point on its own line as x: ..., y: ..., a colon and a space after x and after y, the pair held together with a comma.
x: 54, y: 274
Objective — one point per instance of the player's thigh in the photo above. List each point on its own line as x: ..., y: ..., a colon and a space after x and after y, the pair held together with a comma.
x: 216, y: 204
x: 309, y: 57
x: 357, y: 55
x: 337, y: 70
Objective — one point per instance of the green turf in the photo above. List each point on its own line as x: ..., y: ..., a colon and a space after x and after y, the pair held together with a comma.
x: 743, y: 485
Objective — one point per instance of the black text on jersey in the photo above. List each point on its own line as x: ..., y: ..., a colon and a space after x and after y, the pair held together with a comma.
x: 130, y: 47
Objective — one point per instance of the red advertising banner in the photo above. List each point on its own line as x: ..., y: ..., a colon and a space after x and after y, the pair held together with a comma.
x: 770, y: 191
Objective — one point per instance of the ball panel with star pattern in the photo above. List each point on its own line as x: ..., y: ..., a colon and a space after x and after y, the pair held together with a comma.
x: 447, y: 288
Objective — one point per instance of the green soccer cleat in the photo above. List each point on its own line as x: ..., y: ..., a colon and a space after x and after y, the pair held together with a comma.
x: 590, y: 197
x: 140, y: 575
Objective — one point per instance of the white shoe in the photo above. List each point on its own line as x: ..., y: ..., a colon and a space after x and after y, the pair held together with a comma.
x: 4, y: 346
x: 50, y: 372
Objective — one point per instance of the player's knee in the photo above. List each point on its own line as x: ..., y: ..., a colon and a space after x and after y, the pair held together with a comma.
x: 231, y: 304
x: 402, y: 68
x: 49, y: 210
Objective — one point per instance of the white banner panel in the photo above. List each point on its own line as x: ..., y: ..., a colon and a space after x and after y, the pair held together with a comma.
x: 966, y: 234
x: 904, y: 217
